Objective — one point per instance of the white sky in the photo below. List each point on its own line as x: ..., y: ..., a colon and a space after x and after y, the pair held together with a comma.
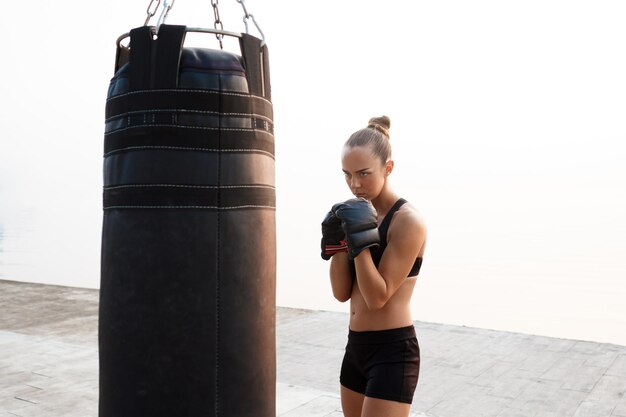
x: 508, y: 130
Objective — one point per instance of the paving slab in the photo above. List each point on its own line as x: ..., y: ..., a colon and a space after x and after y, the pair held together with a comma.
x: 49, y: 364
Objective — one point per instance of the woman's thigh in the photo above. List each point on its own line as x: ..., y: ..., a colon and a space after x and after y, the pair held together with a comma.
x: 375, y: 407
x: 351, y: 402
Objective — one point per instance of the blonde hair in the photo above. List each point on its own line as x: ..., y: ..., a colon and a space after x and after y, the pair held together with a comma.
x: 376, y: 136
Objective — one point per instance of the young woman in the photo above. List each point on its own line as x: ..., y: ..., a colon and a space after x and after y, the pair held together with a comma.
x: 375, y: 243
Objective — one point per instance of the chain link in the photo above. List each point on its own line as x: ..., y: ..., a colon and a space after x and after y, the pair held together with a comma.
x: 167, y: 6
x: 151, y: 13
x: 218, y: 25
x: 247, y: 16
x: 245, y: 11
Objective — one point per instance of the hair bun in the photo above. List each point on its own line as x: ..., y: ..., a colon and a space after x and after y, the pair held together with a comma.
x: 380, y: 123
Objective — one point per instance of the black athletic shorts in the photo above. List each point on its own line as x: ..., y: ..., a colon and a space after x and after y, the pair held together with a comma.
x: 382, y: 364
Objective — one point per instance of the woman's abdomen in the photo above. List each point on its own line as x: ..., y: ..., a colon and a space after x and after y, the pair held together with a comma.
x: 394, y: 314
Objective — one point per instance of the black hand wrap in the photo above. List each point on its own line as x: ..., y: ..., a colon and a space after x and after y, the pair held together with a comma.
x: 359, y: 222
x: 333, y: 236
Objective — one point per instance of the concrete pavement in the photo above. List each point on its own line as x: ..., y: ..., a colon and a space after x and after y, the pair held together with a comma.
x: 49, y: 364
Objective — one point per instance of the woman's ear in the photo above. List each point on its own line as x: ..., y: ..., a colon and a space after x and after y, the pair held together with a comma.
x: 388, y: 167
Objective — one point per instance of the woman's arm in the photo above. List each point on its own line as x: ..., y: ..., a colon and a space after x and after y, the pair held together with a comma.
x: 405, y: 238
x: 340, y: 277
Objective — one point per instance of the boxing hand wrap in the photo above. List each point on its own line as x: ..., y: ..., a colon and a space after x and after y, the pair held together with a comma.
x: 330, y: 250
x: 359, y: 222
x: 333, y: 236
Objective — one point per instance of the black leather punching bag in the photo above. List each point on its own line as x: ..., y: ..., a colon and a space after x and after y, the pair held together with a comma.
x: 188, y: 267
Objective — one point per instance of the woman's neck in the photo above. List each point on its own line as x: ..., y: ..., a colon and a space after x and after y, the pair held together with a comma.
x: 384, y: 201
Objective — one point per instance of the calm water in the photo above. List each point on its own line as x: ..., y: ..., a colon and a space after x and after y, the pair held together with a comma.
x: 561, y: 275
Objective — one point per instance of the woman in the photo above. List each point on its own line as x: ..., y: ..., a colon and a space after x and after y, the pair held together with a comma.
x: 375, y: 243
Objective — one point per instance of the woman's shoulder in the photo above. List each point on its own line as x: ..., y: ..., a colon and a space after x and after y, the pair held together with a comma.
x: 408, y: 218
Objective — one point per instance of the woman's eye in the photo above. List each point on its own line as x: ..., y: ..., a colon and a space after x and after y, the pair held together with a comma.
x: 364, y: 174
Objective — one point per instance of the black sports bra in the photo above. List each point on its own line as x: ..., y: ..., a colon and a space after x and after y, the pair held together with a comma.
x: 377, y: 253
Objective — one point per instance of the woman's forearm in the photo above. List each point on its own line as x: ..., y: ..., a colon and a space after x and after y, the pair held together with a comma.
x: 340, y: 277
x: 372, y: 285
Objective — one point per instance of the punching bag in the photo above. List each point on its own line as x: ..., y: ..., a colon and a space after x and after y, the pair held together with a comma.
x: 188, y: 265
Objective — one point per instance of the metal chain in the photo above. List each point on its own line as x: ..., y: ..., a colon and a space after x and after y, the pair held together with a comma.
x: 151, y: 13
x: 245, y: 11
x: 154, y: 6
x: 247, y: 16
x: 218, y: 23
x: 167, y: 6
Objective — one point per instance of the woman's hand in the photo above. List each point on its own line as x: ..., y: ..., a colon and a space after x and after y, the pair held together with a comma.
x: 360, y: 224
x: 333, y: 236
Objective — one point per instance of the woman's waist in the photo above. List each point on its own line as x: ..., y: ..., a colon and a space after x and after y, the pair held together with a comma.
x: 391, y: 316
x: 381, y: 336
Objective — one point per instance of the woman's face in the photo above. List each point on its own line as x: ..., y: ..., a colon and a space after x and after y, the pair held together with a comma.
x: 364, y: 172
